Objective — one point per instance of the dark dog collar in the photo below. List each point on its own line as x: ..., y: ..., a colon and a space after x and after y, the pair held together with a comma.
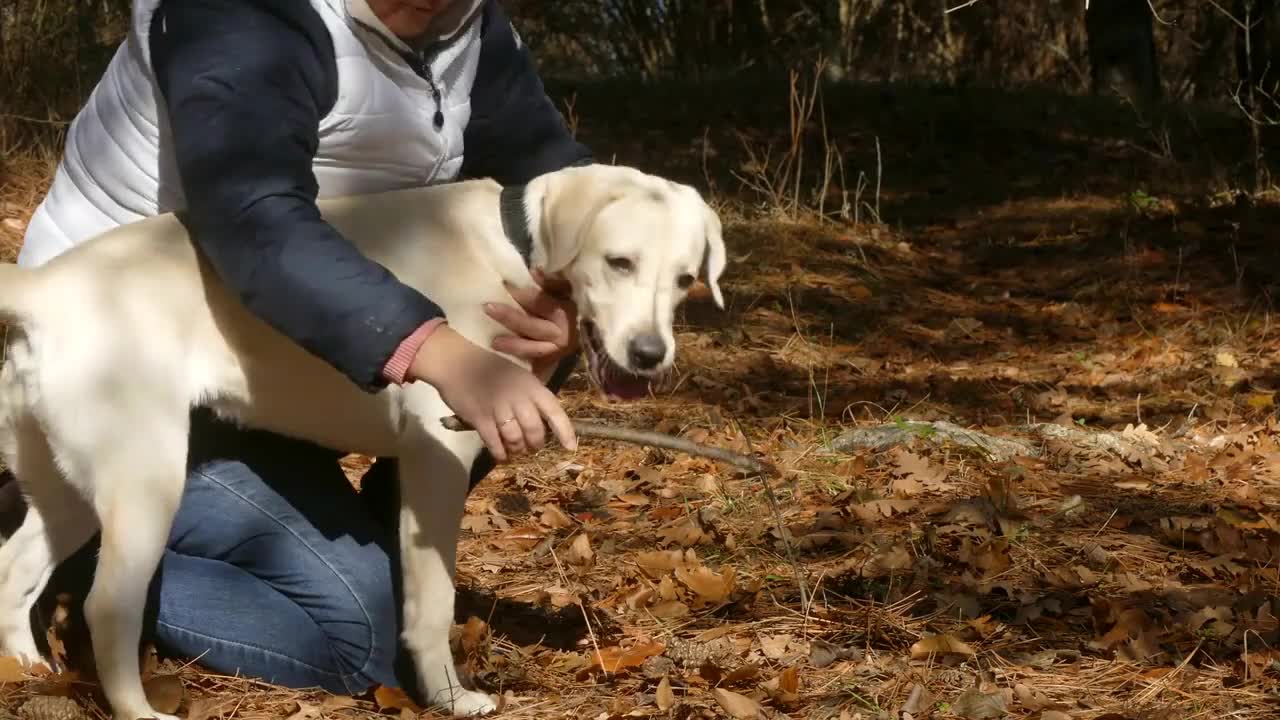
x: 515, y: 220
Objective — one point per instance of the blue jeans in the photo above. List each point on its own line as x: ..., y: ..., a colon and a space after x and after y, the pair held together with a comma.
x: 276, y: 568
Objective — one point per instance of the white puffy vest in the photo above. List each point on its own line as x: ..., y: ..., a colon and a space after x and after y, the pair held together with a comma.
x: 378, y: 136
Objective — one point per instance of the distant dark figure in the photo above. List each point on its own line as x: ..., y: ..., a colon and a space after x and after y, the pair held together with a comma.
x: 1258, y: 51
x: 1122, y: 50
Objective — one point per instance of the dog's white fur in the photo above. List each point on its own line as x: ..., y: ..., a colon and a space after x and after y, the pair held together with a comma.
x: 112, y: 343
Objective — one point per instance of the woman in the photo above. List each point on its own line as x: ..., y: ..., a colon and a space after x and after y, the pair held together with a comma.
x: 242, y: 113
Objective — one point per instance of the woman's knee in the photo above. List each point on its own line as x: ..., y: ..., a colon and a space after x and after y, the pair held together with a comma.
x: 338, y: 640
x: 302, y: 550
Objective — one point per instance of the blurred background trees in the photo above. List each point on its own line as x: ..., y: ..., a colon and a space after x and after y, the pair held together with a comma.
x: 46, y: 44
x: 988, y: 42
x: 52, y: 51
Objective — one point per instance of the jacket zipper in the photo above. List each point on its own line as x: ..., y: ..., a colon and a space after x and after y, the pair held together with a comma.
x: 418, y: 62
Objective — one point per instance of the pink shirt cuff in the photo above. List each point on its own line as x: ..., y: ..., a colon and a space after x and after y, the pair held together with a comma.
x: 398, y: 366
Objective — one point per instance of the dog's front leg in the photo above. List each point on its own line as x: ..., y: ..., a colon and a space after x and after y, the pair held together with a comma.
x: 433, y: 484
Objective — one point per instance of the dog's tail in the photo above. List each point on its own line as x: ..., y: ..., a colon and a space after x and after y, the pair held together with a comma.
x: 14, y: 282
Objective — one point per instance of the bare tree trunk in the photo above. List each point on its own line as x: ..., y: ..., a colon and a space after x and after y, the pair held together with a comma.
x: 1122, y: 50
x: 1256, y: 73
x: 840, y: 40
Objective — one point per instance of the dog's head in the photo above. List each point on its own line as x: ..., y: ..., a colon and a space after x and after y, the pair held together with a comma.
x: 630, y: 245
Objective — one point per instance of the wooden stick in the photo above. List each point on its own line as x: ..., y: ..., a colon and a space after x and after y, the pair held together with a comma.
x: 601, y: 431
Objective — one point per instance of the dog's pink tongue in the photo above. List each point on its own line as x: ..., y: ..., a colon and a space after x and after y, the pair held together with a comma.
x: 625, y: 386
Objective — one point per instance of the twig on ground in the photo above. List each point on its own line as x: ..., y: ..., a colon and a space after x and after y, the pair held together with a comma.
x: 601, y: 431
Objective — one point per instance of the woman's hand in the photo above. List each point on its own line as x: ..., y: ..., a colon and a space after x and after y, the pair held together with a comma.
x: 505, y: 403
x: 544, y: 328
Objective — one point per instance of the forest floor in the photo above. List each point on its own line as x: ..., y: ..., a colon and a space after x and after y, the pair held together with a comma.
x: 1025, y: 415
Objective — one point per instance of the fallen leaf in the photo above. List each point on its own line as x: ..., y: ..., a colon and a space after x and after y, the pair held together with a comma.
x: 939, y: 645
x: 164, y: 692
x: 823, y: 653
x: 203, y: 708
x: 525, y: 537
x: 473, y: 635
x: 669, y: 609
x: 774, y: 646
x: 1261, y: 400
x: 613, y: 659
x: 894, y: 558
x: 389, y: 698
x: 685, y: 533
x: 665, y: 698
x: 914, y: 473
x: 876, y: 510
x: 710, y: 672
x: 580, y: 552
x: 659, y: 561
x: 477, y: 523
x: 1028, y: 698
x: 985, y: 626
x: 634, y: 499
x: 1054, y: 715
x: 1226, y: 359
x: 305, y: 711
x: 991, y: 557
x: 906, y: 486
x: 919, y: 700
x: 785, y: 688
x: 977, y: 705
x: 553, y: 517
x: 336, y: 702
x: 741, y: 674
x: 739, y: 706
x: 709, y: 585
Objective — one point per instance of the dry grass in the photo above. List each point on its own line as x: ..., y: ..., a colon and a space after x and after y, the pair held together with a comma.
x: 24, y: 177
x: 1083, y: 582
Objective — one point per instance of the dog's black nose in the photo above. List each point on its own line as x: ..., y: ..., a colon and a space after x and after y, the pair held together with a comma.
x: 646, y: 351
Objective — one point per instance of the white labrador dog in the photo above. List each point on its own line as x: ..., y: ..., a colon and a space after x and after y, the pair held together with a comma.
x: 112, y: 343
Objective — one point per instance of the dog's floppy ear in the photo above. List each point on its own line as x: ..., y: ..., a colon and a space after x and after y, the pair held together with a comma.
x: 567, y: 206
x: 713, y: 260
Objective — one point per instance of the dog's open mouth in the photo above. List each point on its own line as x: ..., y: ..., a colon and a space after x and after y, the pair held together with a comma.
x: 613, y: 380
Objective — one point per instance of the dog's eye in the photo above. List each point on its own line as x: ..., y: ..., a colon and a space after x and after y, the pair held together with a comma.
x: 621, y: 264
x: 684, y: 281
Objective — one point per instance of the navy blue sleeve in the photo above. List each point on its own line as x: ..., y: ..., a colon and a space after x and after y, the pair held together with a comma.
x: 515, y: 133
x: 245, y: 84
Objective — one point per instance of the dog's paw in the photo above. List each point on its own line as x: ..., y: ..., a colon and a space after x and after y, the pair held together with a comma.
x: 470, y: 703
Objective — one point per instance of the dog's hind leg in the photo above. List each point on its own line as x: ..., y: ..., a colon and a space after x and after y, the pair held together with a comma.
x: 433, y: 491
x: 58, y: 522
x: 138, y: 481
